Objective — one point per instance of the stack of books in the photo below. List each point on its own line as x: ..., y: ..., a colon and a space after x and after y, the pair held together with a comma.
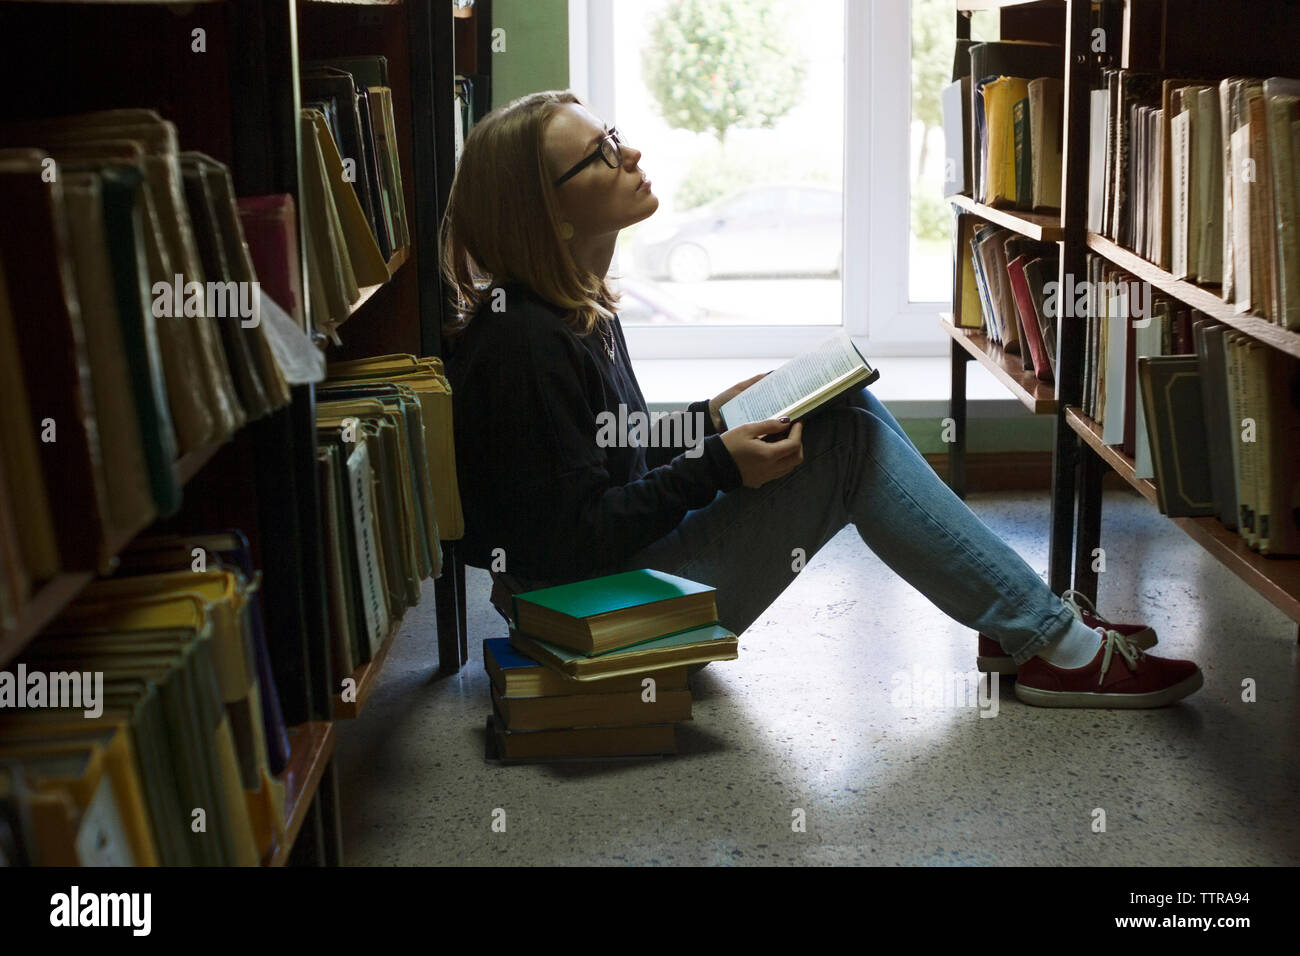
x: 387, y: 467
x: 145, y: 727
x: 598, y: 668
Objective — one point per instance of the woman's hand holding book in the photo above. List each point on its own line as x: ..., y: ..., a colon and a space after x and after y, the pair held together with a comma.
x: 760, y: 460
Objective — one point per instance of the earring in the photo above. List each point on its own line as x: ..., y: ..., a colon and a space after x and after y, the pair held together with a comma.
x: 566, y: 230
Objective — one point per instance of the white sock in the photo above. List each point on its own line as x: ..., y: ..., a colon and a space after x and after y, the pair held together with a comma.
x: 1077, y: 648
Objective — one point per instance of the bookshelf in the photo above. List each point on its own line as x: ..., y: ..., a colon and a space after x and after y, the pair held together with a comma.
x: 56, y: 594
x: 1042, y: 21
x: 1040, y: 226
x: 311, y: 747
x: 1201, y: 298
x: 1278, y: 580
x: 399, y: 259
x: 1036, y: 396
x: 238, y: 102
x: 366, y: 677
x: 1198, y: 38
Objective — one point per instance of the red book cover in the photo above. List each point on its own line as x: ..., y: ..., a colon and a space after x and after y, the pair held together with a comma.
x: 1028, y: 317
x: 271, y: 230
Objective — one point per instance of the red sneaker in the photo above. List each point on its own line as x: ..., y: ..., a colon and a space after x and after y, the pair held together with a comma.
x: 1120, y: 675
x: 991, y: 657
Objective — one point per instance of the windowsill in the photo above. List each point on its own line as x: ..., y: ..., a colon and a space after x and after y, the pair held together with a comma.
x: 911, y: 387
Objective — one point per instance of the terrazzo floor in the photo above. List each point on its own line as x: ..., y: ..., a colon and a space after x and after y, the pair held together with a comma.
x: 813, y: 723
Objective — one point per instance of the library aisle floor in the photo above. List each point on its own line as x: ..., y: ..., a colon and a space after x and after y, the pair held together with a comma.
x: 811, y: 718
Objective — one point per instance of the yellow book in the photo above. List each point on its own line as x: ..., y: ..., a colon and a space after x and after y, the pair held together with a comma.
x: 1000, y: 98
x: 434, y: 393
x: 96, y: 769
x: 133, y: 604
x: 227, y: 596
x: 368, y: 263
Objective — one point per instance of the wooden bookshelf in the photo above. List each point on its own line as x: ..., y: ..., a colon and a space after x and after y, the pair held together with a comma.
x: 368, y: 292
x: 1275, y: 578
x: 1038, y: 397
x: 1202, y: 41
x: 1201, y: 298
x: 45, y: 605
x: 1042, y: 226
x: 1121, y: 464
x: 191, y: 463
x: 311, y: 745
x: 366, y: 676
x: 49, y: 600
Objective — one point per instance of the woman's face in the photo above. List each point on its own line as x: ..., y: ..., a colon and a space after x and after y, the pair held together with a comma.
x: 598, y: 200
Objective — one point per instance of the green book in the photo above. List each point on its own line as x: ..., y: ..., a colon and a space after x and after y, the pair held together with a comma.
x: 1024, y: 157
x: 713, y: 642
x: 617, y: 610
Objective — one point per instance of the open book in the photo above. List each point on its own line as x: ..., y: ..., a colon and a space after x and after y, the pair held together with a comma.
x: 803, y: 384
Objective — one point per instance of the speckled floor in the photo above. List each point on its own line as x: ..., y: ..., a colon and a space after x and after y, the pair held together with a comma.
x: 814, y: 717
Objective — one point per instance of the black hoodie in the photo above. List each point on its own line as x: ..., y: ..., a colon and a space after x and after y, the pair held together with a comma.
x: 526, y: 395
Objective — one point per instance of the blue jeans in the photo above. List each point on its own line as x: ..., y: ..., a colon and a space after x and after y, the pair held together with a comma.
x: 860, y: 467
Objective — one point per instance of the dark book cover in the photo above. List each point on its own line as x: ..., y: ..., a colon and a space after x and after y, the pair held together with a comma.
x: 1133, y: 89
x: 1171, y: 390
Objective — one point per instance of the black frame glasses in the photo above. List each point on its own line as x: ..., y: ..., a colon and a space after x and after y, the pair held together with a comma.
x: 608, y: 150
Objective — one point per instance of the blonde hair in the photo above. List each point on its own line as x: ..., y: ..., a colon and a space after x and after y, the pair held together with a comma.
x: 502, y: 222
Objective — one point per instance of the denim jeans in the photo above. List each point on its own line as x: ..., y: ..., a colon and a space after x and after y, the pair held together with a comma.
x: 860, y: 467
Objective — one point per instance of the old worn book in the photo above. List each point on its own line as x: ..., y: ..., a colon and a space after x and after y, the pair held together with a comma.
x: 1207, y: 167
x: 36, y: 252
x: 713, y: 642
x: 1171, y: 389
x: 514, y: 675
x: 581, y: 742
x: 614, y: 610
x: 628, y: 709
x: 1046, y: 133
x: 129, y: 494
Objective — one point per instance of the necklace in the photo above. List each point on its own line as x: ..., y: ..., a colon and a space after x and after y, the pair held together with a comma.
x: 607, y: 335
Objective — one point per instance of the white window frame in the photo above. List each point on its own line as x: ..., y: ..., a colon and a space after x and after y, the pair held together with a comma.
x: 877, y: 115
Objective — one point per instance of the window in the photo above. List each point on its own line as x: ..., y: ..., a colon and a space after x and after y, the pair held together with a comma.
x: 929, y: 265
x: 787, y: 229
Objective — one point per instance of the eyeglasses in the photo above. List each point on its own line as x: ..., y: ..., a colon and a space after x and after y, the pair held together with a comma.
x: 608, y: 150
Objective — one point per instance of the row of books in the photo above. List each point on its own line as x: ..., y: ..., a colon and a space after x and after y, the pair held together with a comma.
x: 1001, y: 285
x: 181, y: 757
x: 1002, y: 122
x: 599, y: 667
x: 132, y: 332
x: 1199, y: 176
x: 355, y: 210
x: 1208, y: 413
x: 387, y: 471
